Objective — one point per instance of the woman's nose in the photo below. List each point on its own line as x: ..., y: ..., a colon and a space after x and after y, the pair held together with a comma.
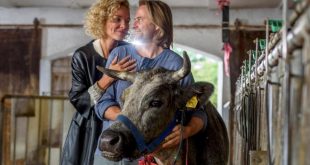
x: 125, y: 24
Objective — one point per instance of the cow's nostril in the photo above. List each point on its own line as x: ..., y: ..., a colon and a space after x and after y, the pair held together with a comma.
x: 110, y: 141
x: 114, y: 140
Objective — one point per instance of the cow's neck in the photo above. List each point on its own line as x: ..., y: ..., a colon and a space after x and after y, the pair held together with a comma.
x: 167, y: 156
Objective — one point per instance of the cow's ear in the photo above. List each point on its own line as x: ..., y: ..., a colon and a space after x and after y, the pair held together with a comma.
x: 196, y: 95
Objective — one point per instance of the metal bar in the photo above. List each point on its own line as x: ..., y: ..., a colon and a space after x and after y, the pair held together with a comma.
x: 295, y: 39
x: 1, y: 130
x: 179, y: 26
x: 26, y: 138
x: 286, y: 159
x: 50, y: 117
x: 299, y: 10
x: 267, y: 93
x: 305, y: 117
x: 39, y: 128
x: 9, y: 96
x: 258, y: 99
x: 26, y: 26
x: 266, y: 50
x: 62, y: 130
x: 14, y: 136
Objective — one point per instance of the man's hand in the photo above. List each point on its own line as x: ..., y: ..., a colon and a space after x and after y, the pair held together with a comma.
x: 174, y: 138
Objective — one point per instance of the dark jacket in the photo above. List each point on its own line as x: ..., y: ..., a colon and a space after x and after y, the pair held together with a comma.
x: 85, y: 127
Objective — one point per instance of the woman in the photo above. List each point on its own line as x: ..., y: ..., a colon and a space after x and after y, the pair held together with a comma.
x: 107, y: 22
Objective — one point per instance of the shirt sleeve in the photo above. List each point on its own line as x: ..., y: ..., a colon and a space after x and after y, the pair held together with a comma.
x: 95, y: 93
x: 200, y: 113
x: 108, y: 99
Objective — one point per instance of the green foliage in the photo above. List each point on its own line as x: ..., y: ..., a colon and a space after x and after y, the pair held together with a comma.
x: 203, y: 69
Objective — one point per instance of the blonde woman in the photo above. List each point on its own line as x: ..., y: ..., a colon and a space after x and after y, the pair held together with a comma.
x: 107, y: 21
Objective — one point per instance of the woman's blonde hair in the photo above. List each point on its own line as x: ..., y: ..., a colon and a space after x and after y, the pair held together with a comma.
x: 161, y: 16
x: 98, y: 15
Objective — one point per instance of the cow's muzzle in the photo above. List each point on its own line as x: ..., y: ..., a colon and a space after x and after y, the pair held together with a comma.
x: 114, y: 145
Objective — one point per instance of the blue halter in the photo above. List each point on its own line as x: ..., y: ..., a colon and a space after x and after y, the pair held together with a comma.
x: 142, y: 146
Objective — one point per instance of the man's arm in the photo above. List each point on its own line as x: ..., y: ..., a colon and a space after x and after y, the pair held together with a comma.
x: 111, y: 113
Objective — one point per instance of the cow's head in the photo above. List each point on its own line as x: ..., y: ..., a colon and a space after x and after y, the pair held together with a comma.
x: 150, y: 104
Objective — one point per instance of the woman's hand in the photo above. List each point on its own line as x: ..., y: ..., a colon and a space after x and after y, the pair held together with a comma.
x: 126, y: 64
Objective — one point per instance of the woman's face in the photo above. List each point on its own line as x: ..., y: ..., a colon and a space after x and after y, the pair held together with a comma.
x: 118, y: 25
x: 144, y: 28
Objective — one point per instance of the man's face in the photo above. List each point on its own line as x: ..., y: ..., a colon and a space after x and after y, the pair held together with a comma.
x: 144, y: 28
x: 117, y: 27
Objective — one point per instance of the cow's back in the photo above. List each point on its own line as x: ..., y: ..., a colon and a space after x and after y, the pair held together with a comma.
x: 212, y: 146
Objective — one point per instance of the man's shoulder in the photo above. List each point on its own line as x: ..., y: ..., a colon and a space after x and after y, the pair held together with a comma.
x: 173, y: 56
x: 122, y: 50
x: 123, y: 45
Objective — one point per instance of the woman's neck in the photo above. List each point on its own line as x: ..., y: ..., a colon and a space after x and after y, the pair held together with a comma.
x: 107, y: 45
x: 149, y: 50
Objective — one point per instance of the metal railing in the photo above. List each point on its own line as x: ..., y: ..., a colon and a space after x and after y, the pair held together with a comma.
x: 33, y: 128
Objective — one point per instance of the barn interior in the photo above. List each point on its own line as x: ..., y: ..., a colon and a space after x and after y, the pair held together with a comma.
x: 254, y: 51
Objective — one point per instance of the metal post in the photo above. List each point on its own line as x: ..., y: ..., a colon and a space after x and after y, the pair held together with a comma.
x: 266, y: 93
x: 286, y: 105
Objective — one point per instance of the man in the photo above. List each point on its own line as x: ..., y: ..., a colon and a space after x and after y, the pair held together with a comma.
x: 153, y: 31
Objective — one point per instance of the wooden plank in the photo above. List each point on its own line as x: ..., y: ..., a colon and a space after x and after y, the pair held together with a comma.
x: 258, y: 158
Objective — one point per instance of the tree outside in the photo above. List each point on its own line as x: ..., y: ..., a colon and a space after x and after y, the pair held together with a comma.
x: 203, y: 69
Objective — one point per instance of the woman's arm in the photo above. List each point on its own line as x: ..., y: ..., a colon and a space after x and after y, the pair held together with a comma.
x: 97, y: 90
x: 78, y: 94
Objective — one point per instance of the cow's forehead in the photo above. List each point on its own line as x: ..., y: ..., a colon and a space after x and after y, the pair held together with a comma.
x: 145, y: 87
x: 154, y: 75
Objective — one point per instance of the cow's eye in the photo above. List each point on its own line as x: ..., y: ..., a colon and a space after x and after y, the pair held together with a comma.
x: 156, y: 103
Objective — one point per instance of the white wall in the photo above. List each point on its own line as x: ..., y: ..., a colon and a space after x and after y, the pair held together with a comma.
x: 63, y: 41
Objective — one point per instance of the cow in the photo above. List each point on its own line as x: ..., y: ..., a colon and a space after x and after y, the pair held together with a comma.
x: 150, y: 106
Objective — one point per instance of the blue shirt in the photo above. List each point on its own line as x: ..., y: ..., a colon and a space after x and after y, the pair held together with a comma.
x: 112, y: 97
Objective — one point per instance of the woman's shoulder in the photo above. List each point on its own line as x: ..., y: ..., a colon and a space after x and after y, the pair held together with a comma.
x: 86, y: 49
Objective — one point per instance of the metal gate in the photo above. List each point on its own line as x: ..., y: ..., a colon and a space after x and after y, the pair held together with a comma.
x: 33, y: 129
x: 272, y: 104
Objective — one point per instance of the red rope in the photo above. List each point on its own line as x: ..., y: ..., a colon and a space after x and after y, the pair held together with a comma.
x: 186, y: 156
x: 227, y: 52
x: 147, y: 160
x: 222, y: 3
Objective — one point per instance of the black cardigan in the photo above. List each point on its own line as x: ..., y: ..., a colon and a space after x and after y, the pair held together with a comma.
x: 85, y: 127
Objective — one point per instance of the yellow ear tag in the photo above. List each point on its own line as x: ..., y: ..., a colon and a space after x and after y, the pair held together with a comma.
x: 192, y: 103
